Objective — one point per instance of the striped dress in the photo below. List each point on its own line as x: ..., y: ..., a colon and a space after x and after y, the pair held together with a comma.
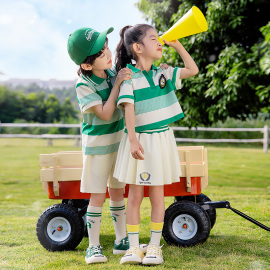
x: 156, y: 106
x: 99, y: 137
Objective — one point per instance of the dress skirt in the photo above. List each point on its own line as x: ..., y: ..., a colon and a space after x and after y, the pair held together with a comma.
x: 161, y: 165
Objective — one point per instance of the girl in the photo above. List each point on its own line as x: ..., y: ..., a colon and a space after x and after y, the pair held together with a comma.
x: 147, y: 153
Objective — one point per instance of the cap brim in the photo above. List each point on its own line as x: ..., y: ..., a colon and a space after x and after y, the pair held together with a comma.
x: 100, y: 41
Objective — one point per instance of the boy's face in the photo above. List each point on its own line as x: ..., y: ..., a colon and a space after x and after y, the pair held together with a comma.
x: 103, y: 62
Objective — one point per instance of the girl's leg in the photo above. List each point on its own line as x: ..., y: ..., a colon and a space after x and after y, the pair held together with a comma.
x: 135, y: 197
x: 118, y: 213
x: 93, y: 216
x: 156, y: 195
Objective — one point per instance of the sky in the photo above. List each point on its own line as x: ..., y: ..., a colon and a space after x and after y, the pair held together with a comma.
x: 34, y: 33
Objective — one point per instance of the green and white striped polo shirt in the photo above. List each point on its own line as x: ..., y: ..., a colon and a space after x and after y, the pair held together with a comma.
x: 153, y: 96
x: 99, y: 137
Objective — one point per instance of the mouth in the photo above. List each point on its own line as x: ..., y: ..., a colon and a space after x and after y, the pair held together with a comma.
x: 109, y: 62
x: 159, y: 49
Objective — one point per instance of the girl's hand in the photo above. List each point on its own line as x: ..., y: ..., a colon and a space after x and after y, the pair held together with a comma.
x: 136, y: 150
x: 164, y: 65
x: 174, y: 43
x: 123, y: 75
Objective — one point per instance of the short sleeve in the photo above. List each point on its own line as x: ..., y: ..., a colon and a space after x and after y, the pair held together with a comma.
x: 174, y: 75
x: 126, y: 94
x: 87, y: 97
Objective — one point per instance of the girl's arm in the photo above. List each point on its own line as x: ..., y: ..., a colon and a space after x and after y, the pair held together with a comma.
x: 135, y: 147
x: 190, y: 68
x: 106, y: 111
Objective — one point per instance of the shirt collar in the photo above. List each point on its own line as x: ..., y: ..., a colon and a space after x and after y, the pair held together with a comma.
x: 97, y: 80
x: 134, y: 69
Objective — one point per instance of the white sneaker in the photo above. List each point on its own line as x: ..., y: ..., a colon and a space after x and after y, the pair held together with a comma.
x: 133, y: 256
x: 153, y: 255
x: 143, y: 247
x: 94, y: 254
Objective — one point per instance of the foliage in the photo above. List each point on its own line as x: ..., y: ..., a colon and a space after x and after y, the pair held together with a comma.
x: 33, y: 107
x: 233, y: 57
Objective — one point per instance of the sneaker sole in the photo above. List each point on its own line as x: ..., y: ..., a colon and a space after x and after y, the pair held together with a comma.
x: 96, y: 260
x: 130, y: 262
x: 145, y: 262
x: 118, y: 252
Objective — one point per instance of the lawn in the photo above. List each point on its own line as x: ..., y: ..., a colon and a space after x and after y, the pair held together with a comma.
x: 239, y: 175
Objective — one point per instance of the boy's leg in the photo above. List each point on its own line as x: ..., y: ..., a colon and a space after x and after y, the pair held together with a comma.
x: 94, y: 253
x: 118, y: 213
x: 154, y: 253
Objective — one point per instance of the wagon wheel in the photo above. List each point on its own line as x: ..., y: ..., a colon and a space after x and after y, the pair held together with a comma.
x: 200, y: 199
x: 60, y: 227
x: 185, y: 224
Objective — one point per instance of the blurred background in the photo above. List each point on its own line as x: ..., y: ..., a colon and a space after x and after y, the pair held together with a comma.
x: 232, y: 88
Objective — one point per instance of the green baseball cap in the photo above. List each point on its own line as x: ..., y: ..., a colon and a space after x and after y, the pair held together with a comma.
x: 85, y: 42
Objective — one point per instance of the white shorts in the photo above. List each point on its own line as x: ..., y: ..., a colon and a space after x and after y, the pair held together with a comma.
x: 161, y: 165
x: 97, y: 173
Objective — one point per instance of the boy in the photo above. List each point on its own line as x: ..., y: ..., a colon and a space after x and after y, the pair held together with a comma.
x: 102, y: 129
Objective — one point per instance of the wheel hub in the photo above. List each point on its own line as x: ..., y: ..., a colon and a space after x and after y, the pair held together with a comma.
x: 184, y: 226
x: 58, y: 229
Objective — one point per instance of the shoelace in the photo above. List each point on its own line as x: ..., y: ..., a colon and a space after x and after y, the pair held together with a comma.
x: 96, y: 249
x: 153, y: 250
x: 131, y: 250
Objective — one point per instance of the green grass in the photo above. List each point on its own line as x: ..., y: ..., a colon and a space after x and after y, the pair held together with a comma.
x: 239, y: 175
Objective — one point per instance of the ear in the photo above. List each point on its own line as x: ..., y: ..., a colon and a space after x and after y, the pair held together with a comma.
x: 137, y: 48
x: 86, y: 66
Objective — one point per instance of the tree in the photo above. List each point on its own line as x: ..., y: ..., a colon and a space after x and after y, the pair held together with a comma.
x: 233, y: 57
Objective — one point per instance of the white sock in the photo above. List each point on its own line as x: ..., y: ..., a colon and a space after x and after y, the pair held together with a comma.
x: 133, y: 235
x: 156, y: 231
x: 93, y: 218
x: 118, y: 213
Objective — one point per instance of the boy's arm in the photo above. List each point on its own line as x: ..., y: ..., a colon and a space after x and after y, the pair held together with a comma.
x: 106, y: 111
x: 135, y: 147
x: 190, y: 68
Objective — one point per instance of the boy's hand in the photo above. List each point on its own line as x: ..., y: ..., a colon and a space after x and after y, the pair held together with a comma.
x: 164, y: 65
x: 123, y: 75
x: 174, y: 43
x: 136, y: 150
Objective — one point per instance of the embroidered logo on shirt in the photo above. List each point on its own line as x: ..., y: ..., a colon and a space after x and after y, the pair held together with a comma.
x: 162, y: 81
x: 145, y: 176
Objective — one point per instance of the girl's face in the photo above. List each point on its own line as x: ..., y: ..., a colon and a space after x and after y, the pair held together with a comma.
x: 151, y: 47
x: 104, y: 61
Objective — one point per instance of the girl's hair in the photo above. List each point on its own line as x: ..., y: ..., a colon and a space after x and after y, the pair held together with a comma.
x: 128, y: 36
x: 90, y: 60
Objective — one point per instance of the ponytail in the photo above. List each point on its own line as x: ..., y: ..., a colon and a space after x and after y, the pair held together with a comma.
x: 128, y: 36
x: 122, y: 56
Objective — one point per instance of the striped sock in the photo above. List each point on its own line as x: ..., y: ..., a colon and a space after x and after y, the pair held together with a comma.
x: 133, y: 235
x: 156, y: 230
x: 118, y: 213
x: 93, y: 218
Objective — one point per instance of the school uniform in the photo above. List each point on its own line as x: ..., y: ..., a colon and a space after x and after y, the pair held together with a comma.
x: 100, y: 139
x: 156, y: 106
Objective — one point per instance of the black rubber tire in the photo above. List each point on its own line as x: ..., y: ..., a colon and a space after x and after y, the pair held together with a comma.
x: 200, y: 199
x: 81, y: 205
x: 71, y: 216
x: 197, y: 213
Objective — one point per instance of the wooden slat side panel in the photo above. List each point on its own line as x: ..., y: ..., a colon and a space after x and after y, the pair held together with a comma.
x: 63, y: 174
x: 70, y: 159
x: 204, y: 180
x: 74, y: 174
x: 196, y: 155
x: 46, y: 160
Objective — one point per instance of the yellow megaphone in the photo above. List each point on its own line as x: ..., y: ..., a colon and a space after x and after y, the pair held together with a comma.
x: 191, y: 23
